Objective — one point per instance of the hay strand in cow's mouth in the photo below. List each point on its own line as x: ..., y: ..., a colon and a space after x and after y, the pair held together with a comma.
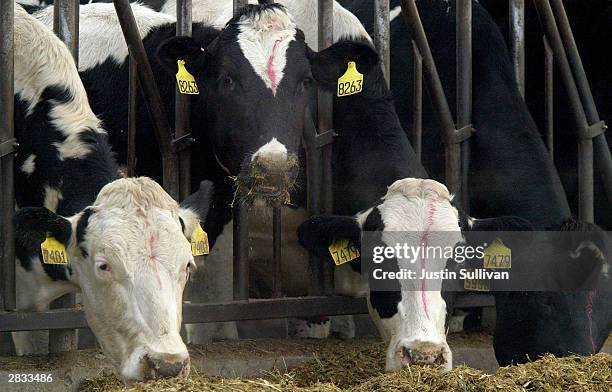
x: 252, y: 179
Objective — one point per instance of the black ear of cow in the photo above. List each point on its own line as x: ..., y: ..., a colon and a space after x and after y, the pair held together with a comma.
x: 318, y: 233
x: 329, y: 64
x: 181, y: 48
x: 32, y: 224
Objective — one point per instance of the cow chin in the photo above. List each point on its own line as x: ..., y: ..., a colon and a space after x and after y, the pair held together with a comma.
x: 268, y: 177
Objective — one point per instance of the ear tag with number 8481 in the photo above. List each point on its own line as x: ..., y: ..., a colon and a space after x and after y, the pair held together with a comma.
x: 53, y: 251
x: 186, y: 82
x: 343, y: 251
x: 351, y: 82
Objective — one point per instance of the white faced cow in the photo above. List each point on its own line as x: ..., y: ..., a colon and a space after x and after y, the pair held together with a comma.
x: 126, y: 251
x: 411, y: 319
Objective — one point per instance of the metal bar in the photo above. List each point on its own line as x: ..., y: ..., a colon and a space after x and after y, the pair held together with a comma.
x: 277, y: 254
x: 381, y: 35
x: 8, y: 299
x: 132, y: 113
x: 549, y: 98
x: 585, y: 145
x: 152, y: 98
x: 517, y: 41
x: 464, y: 90
x: 417, y: 103
x: 601, y: 148
x: 325, y: 118
x: 436, y: 92
x: 239, y: 4
x: 241, y: 250
x: 313, y: 195
x: 65, y: 26
x: 254, y: 309
x: 182, y: 109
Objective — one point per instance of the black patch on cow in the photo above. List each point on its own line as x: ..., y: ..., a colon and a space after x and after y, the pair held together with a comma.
x: 199, y: 202
x: 31, y: 226
x: 81, y: 229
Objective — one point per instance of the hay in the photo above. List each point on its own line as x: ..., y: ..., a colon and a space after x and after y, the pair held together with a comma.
x: 361, y: 370
x: 251, y: 177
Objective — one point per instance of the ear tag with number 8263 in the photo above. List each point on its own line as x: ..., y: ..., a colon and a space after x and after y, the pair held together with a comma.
x: 351, y: 82
x: 53, y: 251
x: 186, y: 82
x: 343, y: 251
x: 199, y: 241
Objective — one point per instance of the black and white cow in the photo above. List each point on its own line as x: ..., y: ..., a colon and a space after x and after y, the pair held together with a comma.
x: 126, y: 251
x: 510, y: 172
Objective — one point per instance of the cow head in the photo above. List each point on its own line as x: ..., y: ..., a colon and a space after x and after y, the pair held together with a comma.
x: 255, y: 76
x: 130, y: 258
x: 410, y: 319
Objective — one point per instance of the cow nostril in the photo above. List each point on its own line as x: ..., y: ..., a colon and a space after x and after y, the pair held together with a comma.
x: 429, y: 356
x: 162, y: 368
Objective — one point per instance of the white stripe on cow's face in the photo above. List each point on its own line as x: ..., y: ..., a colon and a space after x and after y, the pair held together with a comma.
x: 28, y: 165
x: 100, y: 36
x: 264, y: 41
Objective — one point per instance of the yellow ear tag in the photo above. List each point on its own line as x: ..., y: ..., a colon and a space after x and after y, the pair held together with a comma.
x: 497, y: 255
x: 53, y: 251
x: 476, y: 284
x: 351, y: 82
x: 343, y: 251
x: 199, y: 241
x: 186, y: 82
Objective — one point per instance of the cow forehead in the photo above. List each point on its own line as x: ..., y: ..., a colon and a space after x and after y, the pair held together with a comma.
x: 264, y: 39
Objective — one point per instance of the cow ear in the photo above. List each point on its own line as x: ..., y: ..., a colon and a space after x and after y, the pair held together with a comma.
x: 501, y: 223
x: 195, y: 208
x: 330, y: 64
x: 318, y: 233
x: 181, y: 48
x: 32, y: 224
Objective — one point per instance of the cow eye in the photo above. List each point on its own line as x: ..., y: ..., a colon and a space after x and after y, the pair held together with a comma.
x: 228, y: 82
x: 104, y: 267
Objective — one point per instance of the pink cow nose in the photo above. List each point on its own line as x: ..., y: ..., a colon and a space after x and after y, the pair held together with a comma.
x: 168, y: 365
x: 422, y: 353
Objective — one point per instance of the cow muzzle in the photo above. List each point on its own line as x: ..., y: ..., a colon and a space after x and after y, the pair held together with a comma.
x: 167, y: 365
x: 270, y: 175
x: 422, y: 352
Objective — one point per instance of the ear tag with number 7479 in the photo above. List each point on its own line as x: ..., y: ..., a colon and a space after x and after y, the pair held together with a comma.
x: 351, y: 82
x: 343, y: 251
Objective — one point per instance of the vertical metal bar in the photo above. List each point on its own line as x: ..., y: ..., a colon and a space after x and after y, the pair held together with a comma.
x: 517, y: 41
x: 152, y: 98
x: 241, y: 250
x: 585, y: 144
x: 549, y: 91
x: 436, y: 92
x: 600, y: 145
x: 464, y: 89
x: 65, y: 26
x: 132, y: 113
x: 8, y: 299
x: 277, y: 254
x: 381, y: 35
x: 241, y: 234
x: 313, y: 188
x: 417, y: 104
x: 182, y: 108
x: 325, y: 116
x: 239, y: 4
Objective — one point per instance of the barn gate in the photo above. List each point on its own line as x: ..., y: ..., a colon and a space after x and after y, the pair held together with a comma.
x: 174, y: 146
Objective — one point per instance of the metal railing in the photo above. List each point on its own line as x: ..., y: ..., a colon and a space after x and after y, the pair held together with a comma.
x: 175, y: 154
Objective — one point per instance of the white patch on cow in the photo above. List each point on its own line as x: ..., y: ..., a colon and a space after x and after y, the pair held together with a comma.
x: 273, y: 151
x: 422, y: 211
x: 217, y: 13
x: 28, y: 165
x: 52, y: 198
x: 264, y: 40
x: 44, y: 61
x: 394, y: 13
x: 100, y: 35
